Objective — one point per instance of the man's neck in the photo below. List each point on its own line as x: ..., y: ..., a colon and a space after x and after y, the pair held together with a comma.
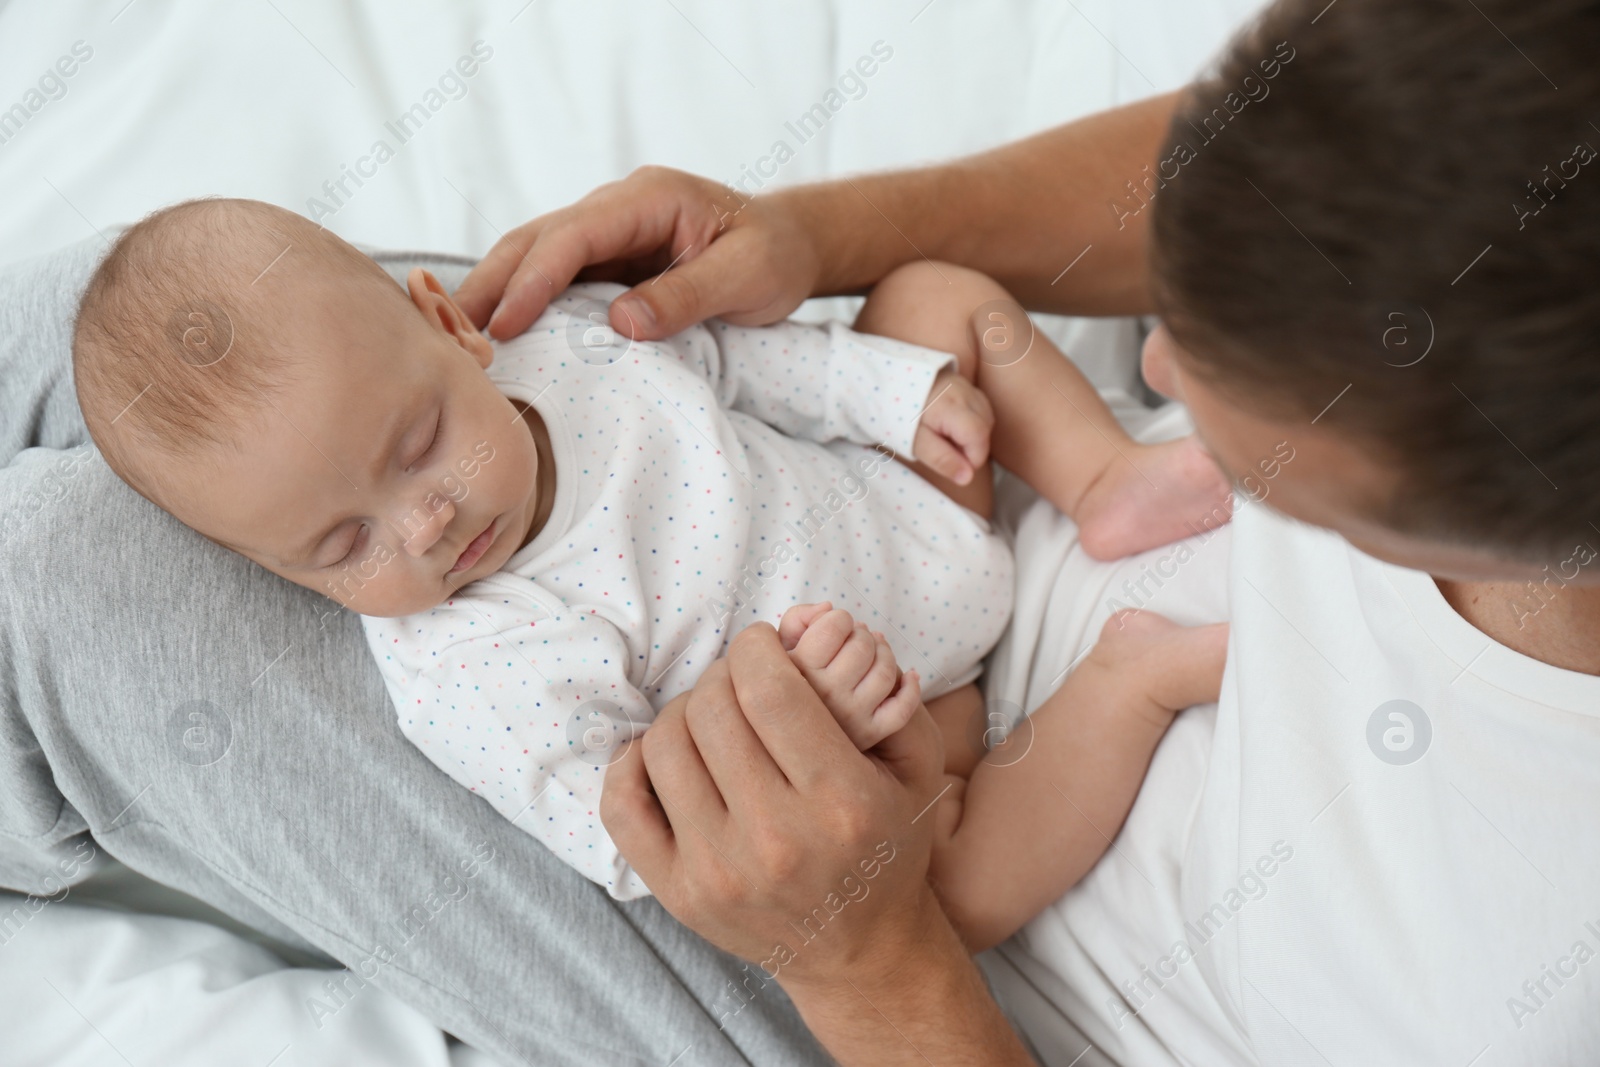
x: 1556, y: 624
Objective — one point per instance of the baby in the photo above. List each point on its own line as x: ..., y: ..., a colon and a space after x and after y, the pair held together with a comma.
x: 548, y: 539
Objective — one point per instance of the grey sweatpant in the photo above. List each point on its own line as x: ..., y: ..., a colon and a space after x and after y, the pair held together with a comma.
x: 225, y: 732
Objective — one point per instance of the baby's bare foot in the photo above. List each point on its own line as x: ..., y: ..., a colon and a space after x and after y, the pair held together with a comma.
x: 1173, y: 667
x: 1161, y: 494
x: 852, y: 669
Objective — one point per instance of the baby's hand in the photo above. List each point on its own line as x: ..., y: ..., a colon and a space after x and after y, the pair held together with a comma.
x: 852, y: 669
x: 953, y: 436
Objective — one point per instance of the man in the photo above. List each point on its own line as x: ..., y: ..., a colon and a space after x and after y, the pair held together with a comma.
x: 129, y: 712
x: 1372, y: 237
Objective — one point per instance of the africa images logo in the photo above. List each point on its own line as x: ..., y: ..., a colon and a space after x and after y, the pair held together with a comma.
x: 1399, y: 732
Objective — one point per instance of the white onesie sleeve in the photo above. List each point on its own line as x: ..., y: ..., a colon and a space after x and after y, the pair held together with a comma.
x: 820, y: 383
x: 524, y: 703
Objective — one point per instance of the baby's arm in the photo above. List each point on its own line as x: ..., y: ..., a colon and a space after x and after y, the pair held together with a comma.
x: 815, y: 382
x: 525, y: 704
x: 1027, y: 831
x: 1050, y: 426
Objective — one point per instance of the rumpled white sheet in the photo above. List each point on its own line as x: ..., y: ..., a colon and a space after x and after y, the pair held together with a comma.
x: 85, y: 986
x: 184, y: 98
x: 274, y: 98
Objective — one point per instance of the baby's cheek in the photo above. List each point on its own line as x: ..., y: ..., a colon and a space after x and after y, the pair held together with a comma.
x: 525, y: 473
x: 381, y: 583
x: 453, y: 487
x: 501, y: 461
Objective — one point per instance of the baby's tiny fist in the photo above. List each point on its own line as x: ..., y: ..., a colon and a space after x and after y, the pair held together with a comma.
x: 953, y: 434
x: 853, y: 671
x: 796, y: 620
x: 821, y: 643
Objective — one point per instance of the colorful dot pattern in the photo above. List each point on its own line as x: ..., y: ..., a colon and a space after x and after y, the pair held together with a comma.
x: 704, y: 483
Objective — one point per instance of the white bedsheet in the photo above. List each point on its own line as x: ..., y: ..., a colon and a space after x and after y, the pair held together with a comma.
x: 274, y: 98
x: 86, y: 986
x: 270, y: 100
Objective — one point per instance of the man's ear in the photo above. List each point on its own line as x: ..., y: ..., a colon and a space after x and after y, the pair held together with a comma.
x: 1159, y: 366
x: 443, y: 315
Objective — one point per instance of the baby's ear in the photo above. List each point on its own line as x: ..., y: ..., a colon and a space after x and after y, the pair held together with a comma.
x: 444, y: 315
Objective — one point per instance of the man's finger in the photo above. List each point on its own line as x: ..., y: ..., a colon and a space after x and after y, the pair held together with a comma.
x: 634, y: 818
x: 545, y: 267
x: 667, y: 304
x: 552, y: 249
x: 732, y: 753
x: 717, y: 279
x: 688, y: 794
x: 483, y: 286
x: 795, y: 728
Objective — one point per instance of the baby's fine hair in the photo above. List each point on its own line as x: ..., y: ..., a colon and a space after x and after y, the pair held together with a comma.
x: 183, y: 334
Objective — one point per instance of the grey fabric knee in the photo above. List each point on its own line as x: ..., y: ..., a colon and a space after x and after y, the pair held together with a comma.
x: 225, y: 732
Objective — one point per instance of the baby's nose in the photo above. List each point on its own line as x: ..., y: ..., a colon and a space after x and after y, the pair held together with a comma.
x: 421, y: 527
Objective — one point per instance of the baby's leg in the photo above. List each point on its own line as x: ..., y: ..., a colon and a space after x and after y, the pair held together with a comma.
x: 1051, y: 428
x: 1027, y: 830
x: 959, y: 716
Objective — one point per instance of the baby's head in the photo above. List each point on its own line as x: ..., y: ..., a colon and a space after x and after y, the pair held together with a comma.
x: 271, y: 387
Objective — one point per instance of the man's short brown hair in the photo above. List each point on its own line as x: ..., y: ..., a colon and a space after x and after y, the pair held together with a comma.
x: 1413, y: 182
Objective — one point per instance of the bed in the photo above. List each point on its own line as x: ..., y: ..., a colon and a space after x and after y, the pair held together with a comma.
x: 438, y: 127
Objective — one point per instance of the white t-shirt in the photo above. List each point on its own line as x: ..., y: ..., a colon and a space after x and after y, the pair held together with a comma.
x: 1382, y: 847
x: 703, y: 483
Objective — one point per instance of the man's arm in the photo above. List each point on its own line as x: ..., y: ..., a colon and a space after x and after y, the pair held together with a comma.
x: 931, y: 1006
x: 1022, y: 213
x: 757, y: 824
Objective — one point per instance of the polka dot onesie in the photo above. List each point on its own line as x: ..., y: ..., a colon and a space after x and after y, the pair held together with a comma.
x: 703, y: 483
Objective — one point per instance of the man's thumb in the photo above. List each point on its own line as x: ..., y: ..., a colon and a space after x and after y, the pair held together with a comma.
x: 668, y: 303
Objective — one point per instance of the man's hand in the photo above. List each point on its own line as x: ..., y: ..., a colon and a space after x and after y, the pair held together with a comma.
x: 753, y: 261
x: 953, y: 436
x: 705, y: 250
x: 756, y: 822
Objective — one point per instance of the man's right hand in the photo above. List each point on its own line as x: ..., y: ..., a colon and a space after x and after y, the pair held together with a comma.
x: 755, y: 821
x: 691, y: 248
x: 745, y: 807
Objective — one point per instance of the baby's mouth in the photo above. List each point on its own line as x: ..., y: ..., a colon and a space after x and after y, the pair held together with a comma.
x: 474, y: 551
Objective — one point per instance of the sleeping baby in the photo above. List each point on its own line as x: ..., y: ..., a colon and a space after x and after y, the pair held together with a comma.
x: 548, y: 539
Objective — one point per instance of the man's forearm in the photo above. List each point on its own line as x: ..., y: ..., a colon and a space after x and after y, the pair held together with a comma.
x: 930, y: 1005
x: 1021, y: 213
